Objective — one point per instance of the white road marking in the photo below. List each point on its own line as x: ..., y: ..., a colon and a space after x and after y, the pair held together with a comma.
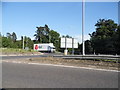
x: 88, y: 68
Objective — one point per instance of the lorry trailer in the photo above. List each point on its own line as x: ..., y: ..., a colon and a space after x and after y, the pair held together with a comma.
x: 44, y: 47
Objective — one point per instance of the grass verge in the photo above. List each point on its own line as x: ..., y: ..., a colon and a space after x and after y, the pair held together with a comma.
x: 16, y: 51
x: 73, y: 62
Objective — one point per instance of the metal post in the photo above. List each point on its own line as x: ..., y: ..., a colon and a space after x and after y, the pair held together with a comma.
x: 83, y: 21
x: 118, y: 17
x: 65, y: 51
x: 72, y: 46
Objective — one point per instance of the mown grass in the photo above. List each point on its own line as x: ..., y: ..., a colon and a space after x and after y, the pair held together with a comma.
x: 107, y: 60
x: 14, y: 51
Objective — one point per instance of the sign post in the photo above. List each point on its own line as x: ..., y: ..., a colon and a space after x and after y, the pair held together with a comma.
x: 72, y: 46
x: 65, y: 51
x: 69, y: 43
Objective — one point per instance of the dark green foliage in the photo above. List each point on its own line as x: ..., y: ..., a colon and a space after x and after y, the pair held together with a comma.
x: 45, y: 35
x: 12, y: 36
x: 11, y: 42
x: 54, y: 38
x: 67, y: 36
x: 105, y: 39
x: 88, y: 47
x: 28, y: 42
x: 117, y: 40
x: 0, y: 40
x: 42, y: 34
x: 6, y: 42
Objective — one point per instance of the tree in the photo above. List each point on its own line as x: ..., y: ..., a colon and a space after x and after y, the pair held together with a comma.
x: 116, y: 39
x: 10, y: 41
x: 42, y: 34
x: 0, y: 40
x: 28, y: 42
x: 45, y: 35
x: 67, y: 36
x: 14, y: 37
x: 88, y: 47
x: 9, y: 35
x: 55, y: 39
x: 39, y: 34
x: 6, y: 42
x: 102, y: 38
x: 18, y: 44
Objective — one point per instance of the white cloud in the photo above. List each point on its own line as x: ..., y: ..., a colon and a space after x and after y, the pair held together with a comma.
x: 79, y: 38
x: 32, y: 38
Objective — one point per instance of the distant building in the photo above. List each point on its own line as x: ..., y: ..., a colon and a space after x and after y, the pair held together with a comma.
x: 119, y: 12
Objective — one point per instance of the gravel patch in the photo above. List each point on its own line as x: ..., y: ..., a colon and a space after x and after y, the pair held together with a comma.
x: 69, y: 62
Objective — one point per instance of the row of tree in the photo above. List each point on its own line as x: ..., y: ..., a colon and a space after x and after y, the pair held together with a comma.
x: 10, y: 41
x: 42, y: 35
x: 45, y: 35
x: 104, y: 40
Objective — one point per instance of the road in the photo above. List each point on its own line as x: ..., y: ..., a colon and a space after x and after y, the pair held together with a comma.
x: 45, y: 76
x: 28, y: 56
x: 21, y: 57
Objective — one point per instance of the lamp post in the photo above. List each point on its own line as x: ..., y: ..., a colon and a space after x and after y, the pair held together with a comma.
x: 83, y: 21
x: 118, y: 14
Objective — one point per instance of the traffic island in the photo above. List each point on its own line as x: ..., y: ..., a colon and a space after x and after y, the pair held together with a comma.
x: 78, y: 63
x: 69, y: 62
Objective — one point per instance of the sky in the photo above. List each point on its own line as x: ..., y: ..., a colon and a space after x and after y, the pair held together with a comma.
x: 63, y: 17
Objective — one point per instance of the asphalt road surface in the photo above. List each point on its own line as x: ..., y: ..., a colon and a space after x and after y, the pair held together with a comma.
x: 45, y: 76
x: 21, y: 57
x: 28, y: 56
